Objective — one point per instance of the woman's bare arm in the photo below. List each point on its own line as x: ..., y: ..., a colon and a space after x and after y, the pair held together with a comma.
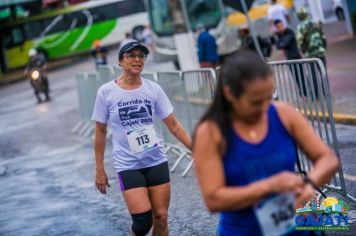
x: 176, y: 128
x: 325, y: 163
x: 101, y: 179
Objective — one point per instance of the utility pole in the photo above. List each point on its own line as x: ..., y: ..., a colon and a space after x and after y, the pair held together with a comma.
x: 252, y: 29
x: 243, y: 6
x: 183, y: 36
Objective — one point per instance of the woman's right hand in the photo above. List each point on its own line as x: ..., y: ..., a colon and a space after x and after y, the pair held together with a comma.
x: 285, y: 181
x: 101, y: 181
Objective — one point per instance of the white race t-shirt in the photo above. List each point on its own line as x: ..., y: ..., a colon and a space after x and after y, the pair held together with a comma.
x: 278, y: 12
x: 136, y: 143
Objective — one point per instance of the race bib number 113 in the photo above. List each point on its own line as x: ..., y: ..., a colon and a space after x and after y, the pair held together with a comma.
x: 142, y: 139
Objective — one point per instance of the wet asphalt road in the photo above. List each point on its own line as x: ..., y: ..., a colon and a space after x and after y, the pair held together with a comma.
x: 47, y: 172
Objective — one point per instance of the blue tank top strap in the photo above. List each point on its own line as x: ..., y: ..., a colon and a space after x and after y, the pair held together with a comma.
x: 276, y: 122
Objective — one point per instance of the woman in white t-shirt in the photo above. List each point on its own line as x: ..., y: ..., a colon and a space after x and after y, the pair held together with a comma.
x: 130, y: 103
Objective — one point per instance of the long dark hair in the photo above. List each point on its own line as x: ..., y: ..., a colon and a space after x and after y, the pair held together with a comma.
x: 237, y: 70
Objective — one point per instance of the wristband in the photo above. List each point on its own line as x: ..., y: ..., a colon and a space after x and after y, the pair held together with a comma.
x: 307, y: 180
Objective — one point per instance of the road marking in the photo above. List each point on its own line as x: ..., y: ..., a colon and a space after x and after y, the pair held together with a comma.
x: 350, y: 177
x: 347, y: 176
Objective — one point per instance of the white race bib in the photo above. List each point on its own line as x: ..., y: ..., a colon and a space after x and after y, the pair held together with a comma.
x: 276, y: 215
x: 142, y: 139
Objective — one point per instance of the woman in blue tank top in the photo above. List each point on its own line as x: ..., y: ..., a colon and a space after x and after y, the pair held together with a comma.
x: 245, y: 148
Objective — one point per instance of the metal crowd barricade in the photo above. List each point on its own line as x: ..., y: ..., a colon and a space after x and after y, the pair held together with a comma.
x: 301, y: 83
x: 106, y: 73
x: 304, y: 85
x: 172, y: 84
x: 86, y: 83
x: 87, y: 87
x: 149, y: 75
x: 199, y: 89
x: 117, y: 71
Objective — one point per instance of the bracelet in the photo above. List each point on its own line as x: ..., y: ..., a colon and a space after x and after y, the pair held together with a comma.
x: 307, y: 180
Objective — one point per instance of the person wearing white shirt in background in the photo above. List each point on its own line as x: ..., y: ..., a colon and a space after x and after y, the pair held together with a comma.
x: 277, y: 12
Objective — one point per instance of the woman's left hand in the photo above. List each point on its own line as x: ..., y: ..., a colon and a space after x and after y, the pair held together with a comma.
x: 304, y: 195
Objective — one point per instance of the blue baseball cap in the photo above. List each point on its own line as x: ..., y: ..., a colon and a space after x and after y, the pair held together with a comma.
x: 130, y: 45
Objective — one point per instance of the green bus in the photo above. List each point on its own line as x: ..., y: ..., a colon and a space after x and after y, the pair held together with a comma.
x: 71, y: 30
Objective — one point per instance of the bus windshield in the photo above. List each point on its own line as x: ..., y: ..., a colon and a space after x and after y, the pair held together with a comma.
x: 207, y: 12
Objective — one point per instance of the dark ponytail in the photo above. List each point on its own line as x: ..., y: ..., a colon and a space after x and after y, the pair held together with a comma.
x: 237, y: 70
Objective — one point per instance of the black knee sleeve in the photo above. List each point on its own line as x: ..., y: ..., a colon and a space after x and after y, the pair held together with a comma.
x: 142, y: 223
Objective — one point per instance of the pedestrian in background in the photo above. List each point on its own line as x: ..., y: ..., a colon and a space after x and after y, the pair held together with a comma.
x: 310, y: 37
x: 245, y: 149
x: 312, y: 42
x: 99, y: 54
x: 131, y: 104
x: 286, y: 41
x: 248, y: 43
x: 275, y: 12
x: 207, y: 48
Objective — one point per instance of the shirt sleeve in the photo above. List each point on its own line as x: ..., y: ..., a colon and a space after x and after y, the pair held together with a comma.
x: 163, y: 106
x: 101, y: 110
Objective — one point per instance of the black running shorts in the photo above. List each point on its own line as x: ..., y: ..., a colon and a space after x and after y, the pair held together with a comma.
x: 145, y: 177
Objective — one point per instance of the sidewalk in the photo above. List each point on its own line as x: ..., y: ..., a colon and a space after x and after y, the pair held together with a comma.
x: 341, y: 67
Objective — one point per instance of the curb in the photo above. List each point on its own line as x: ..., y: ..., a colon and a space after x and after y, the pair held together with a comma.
x: 344, y: 119
x: 339, y: 118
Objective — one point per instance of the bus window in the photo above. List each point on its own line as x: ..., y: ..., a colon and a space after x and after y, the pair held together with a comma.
x: 110, y: 11
x: 104, y: 13
x: 76, y: 19
x: 14, y: 37
x: 115, y: 10
x: 55, y: 24
x: 33, y: 29
x: 206, y: 12
x: 130, y: 7
x: 97, y: 15
x: 161, y: 20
